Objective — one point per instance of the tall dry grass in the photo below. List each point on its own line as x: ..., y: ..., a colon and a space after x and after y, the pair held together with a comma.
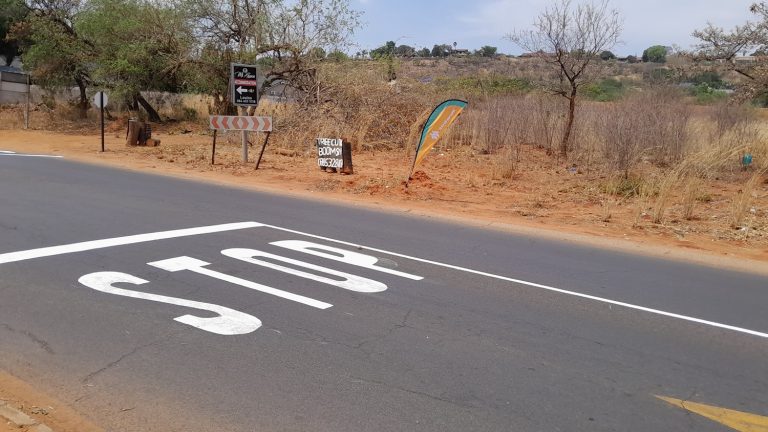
x: 741, y: 205
x: 651, y: 125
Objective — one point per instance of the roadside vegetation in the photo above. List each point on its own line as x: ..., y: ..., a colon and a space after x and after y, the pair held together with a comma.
x: 654, y: 142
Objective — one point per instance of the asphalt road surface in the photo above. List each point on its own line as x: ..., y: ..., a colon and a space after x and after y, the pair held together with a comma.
x: 151, y: 303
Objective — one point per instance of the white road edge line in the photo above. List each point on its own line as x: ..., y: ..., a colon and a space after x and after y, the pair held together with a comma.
x: 4, y: 153
x: 536, y: 285
x: 120, y: 241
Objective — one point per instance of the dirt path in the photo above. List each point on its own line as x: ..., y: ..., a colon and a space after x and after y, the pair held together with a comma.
x: 542, y: 198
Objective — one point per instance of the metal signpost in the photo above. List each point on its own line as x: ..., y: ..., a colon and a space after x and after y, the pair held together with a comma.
x: 241, y: 123
x: 100, y: 101
x: 245, y: 93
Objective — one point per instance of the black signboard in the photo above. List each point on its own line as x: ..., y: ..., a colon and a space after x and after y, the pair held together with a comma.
x: 329, y: 153
x: 245, y: 85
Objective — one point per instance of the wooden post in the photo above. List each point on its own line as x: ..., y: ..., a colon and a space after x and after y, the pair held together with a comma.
x: 346, y: 156
x: 213, y: 150
x: 26, y: 109
x: 266, y: 140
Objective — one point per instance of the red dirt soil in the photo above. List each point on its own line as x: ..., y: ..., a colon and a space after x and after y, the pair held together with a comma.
x: 538, y: 197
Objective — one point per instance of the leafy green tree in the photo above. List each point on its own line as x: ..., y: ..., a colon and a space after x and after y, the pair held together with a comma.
x: 487, y: 51
x: 405, y: 51
x: 11, y: 12
x: 388, y: 49
x: 443, y: 50
x: 424, y: 52
x: 655, y: 54
x: 52, y: 48
x: 607, y: 55
x: 136, y: 47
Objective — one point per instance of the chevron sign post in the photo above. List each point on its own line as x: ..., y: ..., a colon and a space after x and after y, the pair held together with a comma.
x: 240, y: 123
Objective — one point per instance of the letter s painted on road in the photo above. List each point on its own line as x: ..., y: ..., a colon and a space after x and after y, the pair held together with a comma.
x: 229, y: 322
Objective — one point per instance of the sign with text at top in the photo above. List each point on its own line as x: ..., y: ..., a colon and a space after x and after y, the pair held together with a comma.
x: 329, y: 154
x: 245, y: 85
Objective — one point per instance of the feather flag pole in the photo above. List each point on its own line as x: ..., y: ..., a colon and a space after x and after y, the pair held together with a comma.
x: 437, y: 124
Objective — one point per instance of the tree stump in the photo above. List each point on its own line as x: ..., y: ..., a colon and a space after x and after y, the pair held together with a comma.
x: 346, y: 156
x: 135, y: 135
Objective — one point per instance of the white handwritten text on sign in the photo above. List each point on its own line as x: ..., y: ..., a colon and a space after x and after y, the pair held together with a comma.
x: 329, y: 153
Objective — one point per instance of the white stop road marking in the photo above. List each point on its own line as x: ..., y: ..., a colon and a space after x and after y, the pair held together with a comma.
x: 317, y: 250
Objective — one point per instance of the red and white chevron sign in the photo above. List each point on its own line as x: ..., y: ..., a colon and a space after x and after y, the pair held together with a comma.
x: 246, y: 123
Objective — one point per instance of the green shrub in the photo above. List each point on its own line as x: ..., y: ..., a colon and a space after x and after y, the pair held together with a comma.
x: 655, y: 54
x: 712, y: 79
x: 706, y: 95
x: 338, y: 56
x: 660, y: 75
x: 492, y: 85
x: 607, y: 90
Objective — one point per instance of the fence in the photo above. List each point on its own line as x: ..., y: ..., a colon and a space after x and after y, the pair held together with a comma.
x: 14, y: 87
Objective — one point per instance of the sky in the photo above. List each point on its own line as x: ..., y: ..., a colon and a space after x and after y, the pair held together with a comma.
x: 474, y: 23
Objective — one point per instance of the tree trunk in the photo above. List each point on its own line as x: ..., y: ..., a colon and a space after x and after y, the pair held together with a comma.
x: 135, y: 134
x: 569, y: 123
x: 131, y: 104
x: 222, y: 106
x: 151, y: 112
x: 82, y: 105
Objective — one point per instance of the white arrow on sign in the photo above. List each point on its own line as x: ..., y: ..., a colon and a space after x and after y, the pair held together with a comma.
x: 241, y: 90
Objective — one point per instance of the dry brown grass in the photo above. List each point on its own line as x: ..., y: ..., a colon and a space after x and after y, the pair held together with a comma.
x: 645, y: 161
x: 742, y: 211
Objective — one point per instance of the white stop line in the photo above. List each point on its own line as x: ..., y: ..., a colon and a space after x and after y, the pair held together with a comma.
x: 242, y: 323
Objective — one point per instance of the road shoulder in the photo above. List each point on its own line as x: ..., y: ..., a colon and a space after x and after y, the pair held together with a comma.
x: 699, y: 250
x: 24, y: 408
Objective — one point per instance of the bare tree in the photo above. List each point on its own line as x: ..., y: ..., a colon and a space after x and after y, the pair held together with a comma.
x: 570, y: 38
x: 719, y: 44
x: 280, y: 34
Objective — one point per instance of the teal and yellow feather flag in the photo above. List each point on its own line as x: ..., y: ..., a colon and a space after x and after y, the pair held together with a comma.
x: 437, y: 124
